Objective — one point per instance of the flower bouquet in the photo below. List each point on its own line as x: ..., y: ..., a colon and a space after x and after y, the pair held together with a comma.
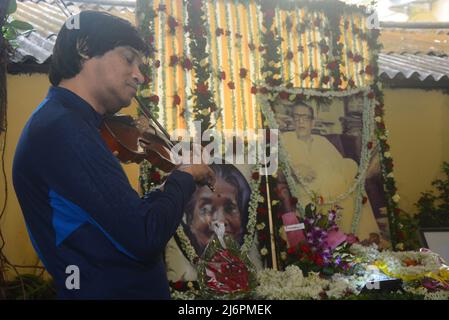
x: 325, y: 248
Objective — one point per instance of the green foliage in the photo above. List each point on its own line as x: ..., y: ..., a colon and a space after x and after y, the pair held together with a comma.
x: 407, y: 234
x: 433, y: 207
x: 14, y: 28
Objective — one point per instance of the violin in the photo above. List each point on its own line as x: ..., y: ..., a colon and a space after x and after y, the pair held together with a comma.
x: 133, y: 141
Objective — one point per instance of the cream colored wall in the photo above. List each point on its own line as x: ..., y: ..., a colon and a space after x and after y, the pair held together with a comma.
x: 418, y: 123
x: 24, y: 94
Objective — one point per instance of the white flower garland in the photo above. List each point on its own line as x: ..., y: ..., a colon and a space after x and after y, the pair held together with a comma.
x: 291, y: 284
x: 238, y: 47
x: 427, y: 262
x: 162, y: 23
x: 248, y: 238
x: 231, y: 65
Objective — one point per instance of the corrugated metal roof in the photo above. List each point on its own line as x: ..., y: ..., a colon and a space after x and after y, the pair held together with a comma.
x: 414, y: 66
x: 47, y: 17
x: 107, y: 5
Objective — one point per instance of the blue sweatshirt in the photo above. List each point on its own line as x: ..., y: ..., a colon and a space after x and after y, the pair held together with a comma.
x: 80, y: 209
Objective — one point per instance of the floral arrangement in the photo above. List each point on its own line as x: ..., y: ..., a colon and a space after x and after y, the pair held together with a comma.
x: 292, y: 284
x: 224, y: 272
x: 324, y: 249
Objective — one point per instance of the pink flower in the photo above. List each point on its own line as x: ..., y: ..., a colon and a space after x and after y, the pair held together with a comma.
x: 335, y: 238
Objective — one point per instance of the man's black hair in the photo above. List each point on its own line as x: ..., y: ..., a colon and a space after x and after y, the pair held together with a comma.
x: 95, y: 34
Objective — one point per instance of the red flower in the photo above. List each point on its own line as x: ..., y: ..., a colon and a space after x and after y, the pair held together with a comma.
x: 357, y: 58
x: 157, y: 63
x: 172, y: 23
x: 202, y: 88
x: 371, y: 95
x: 261, y: 48
x: 173, y: 60
x: 219, y: 32
x: 332, y: 65
x: 243, y: 72
x: 155, y: 177
x: 369, y: 70
x: 351, y: 83
x: 187, y: 64
x: 291, y: 250
x: 293, y: 201
x: 262, y: 237
x: 179, y: 284
x: 176, y: 99
x: 154, y: 99
x: 370, y: 145
x: 231, y: 85
x: 381, y: 125
x: 325, y: 79
x: 262, y: 211
x: 255, y: 175
x: 319, y: 260
x: 397, y: 210
x: 313, y: 74
x: 222, y: 75
x: 364, y: 200
x: 305, y: 248
x: 284, y: 95
x: 263, y: 90
x: 253, y: 90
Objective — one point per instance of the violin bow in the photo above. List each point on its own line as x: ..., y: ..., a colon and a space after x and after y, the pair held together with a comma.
x: 149, y: 116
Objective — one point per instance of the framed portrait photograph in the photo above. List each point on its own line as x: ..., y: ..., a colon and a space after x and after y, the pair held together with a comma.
x: 437, y: 240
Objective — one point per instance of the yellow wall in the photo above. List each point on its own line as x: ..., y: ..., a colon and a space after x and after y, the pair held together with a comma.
x: 24, y: 94
x: 418, y: 122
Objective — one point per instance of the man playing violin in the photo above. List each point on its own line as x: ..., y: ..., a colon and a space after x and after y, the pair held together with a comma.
x: 83, y: 216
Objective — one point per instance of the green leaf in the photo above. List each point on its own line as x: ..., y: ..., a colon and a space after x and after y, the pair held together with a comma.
x: 10, y: 34
x: 21, y: 25
x: 12, y: 7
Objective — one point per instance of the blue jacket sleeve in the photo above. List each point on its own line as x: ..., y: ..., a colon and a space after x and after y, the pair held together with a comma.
x: 77, y: 165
